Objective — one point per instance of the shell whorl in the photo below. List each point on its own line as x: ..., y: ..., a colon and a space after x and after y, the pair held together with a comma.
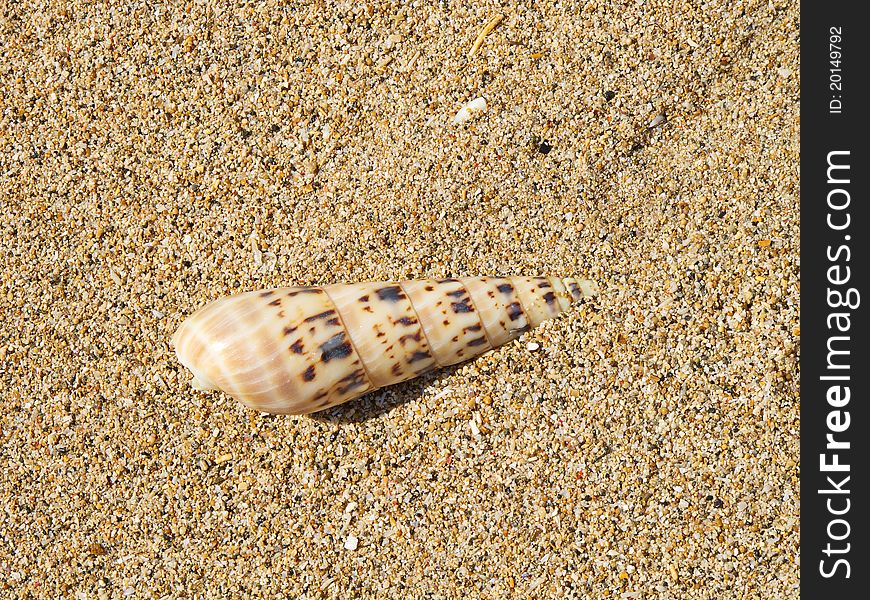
x: 299, y: 350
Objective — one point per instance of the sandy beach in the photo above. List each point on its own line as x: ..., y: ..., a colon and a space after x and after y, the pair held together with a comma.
x: 157, y: 156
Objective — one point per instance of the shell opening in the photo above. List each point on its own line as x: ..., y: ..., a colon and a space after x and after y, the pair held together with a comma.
x: 199, y: 381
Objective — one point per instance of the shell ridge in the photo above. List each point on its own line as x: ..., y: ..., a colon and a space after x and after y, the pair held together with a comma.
x: 563, y: 296
x: 478, y: 314
x: 422, y: 328
x: 362, y: 360
x: 523, y: 309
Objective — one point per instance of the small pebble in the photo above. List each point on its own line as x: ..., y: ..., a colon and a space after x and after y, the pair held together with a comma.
x: 532, y: 346
x: 351, y: 543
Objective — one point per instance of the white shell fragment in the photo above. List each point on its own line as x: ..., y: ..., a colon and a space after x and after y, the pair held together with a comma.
x: 300, y: 350
x: 472, y: 109
x: 659, y: 119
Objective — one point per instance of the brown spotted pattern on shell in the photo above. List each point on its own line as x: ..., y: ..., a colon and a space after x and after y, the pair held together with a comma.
x: 303, y: 349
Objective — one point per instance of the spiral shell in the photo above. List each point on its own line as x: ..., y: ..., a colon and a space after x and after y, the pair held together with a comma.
x: 299, y: 350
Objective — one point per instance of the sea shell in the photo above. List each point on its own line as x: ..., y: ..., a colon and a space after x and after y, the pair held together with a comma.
x: 472, y: 109
x: 299, y: 350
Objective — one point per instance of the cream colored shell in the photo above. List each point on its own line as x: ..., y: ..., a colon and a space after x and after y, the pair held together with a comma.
x: 302, y: 349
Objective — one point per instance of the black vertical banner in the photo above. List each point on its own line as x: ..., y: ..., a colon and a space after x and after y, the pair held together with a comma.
x: 835, y: 369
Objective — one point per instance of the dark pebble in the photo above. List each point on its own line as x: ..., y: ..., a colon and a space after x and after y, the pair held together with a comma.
x: 609, y: 95
x: 544, y: 148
